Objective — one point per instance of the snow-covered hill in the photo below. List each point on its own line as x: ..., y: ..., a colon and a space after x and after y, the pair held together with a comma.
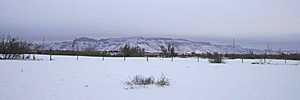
x: 150, y: 44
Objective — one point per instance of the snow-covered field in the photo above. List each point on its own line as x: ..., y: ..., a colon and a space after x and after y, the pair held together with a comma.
x: 90, y: 78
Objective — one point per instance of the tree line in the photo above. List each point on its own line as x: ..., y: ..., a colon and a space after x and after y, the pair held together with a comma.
x: 128, y: 51
x: 13, y: 48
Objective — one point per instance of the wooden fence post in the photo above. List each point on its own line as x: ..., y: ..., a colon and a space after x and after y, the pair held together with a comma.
x: 147, y: 59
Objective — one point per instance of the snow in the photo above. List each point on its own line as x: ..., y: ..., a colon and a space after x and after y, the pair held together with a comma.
x: 90, y: 78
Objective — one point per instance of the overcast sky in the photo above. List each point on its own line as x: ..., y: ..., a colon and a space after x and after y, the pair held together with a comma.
x: 252, y: 22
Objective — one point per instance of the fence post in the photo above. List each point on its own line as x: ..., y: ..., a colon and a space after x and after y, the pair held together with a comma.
x: 50, y: 54
x: 50, y: 57
x: 285, y: 57
x: 242, y: 59
x: 265, y: 56
x: 147, y: 59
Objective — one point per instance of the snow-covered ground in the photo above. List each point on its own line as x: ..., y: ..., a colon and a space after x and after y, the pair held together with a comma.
x: 90, y: 78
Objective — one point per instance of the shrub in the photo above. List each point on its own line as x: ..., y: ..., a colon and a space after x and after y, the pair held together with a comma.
x: 256, y: 63
x: 216, y: 58
x: 162, y: 81
x: 142, y: 81
x: 260, y: 62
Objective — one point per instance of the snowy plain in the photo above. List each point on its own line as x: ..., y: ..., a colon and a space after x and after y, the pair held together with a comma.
x: 90, y: 78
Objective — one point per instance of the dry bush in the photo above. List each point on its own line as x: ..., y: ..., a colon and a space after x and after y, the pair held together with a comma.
x: 142, y: 81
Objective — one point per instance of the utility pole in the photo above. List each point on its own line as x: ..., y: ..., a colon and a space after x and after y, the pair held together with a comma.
x: 268, y: 47
x: 266, y: 52
x: 265, y: 56
x: 233, y: 43
x: 77, y: 50
x: 42, y: 49
x: 43, y: 43
x: 173, y: 50
x: 285, y: 57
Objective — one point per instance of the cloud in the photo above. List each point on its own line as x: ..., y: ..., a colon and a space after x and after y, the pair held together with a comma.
x: 67, y: 19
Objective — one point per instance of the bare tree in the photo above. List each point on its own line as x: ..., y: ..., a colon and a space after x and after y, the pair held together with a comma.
x: 12, y: 48
x: 168, y: 51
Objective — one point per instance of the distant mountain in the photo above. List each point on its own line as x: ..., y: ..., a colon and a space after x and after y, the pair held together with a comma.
x: 150, y: 44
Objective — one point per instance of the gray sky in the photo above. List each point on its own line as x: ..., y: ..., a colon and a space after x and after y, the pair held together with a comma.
x: 252, y: 22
